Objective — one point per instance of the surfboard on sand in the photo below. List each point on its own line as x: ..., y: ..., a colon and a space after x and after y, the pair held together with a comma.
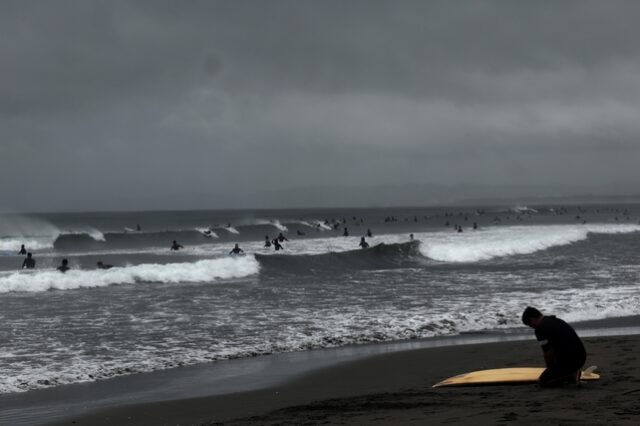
x: 502, y: 376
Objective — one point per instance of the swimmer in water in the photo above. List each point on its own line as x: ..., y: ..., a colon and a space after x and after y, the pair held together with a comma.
x: 175, y: 246
x: 103, y: 265
x: 236, y: 250
x: 23, y: 250
x: 64, y: 267
x: 267, y: 242
x: 277, y: 245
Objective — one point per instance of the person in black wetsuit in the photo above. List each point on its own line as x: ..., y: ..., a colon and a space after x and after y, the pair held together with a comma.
x: 564, y: 353
x: 175, y: 246
x: 64, y: 267
x: 282, y: 238
x: 363, y: 243
x: 236, y: 250
x: 23, y: 250
x: 29, y: 262
x: 103, y: 265
x: 277, y: 245
x: 267, y: 242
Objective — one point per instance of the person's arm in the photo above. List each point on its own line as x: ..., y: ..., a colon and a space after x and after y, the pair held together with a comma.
x: 547, y: 350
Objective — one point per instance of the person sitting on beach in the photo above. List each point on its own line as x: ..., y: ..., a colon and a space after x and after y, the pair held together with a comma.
x: 363, y: 243
x: 267, y: 242
x: 175, y: 246
x: 103, y: 265
x: 282, y: 238
x: 236, y: 250
x: 29, y: 262
x: 564, y: 353
x: 23, y: 250
x: 64, y: 267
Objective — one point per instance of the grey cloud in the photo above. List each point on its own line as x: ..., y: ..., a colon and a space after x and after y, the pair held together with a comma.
x: 150, y: 102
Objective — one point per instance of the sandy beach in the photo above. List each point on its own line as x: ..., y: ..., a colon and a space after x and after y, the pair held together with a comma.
x: 396, y: 389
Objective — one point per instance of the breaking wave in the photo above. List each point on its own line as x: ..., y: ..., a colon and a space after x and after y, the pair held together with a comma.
x: 511, y: 241
x: 196, y: 272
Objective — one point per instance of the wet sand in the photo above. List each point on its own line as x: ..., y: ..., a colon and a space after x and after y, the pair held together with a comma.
x: 395, y: 389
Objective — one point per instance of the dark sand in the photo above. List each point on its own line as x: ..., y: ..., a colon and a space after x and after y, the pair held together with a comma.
x: 395, y: 389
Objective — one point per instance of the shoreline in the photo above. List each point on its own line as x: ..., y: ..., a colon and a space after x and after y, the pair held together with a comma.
x: 395, y: 388
x: 242, y: 375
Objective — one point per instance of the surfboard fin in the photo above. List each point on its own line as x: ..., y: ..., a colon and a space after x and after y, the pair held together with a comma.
x: 591, y: 369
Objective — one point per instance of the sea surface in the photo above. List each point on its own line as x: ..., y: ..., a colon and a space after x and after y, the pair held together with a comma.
x: 158, y: 309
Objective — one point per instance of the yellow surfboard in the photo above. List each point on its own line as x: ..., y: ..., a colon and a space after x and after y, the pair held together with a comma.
x: 505, y: 376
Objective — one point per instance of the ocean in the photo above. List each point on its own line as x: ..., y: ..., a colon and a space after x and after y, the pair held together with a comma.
x: 420, y: 278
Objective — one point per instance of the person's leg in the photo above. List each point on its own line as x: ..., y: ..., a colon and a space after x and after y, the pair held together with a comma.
x: 555, y: 376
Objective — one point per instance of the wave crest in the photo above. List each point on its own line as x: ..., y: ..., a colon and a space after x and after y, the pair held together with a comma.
x: 200, y: 271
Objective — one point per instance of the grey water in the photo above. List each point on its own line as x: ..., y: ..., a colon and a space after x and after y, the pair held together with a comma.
x: 158, y: 309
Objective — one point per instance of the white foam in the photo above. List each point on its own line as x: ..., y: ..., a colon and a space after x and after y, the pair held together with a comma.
x: 230, y: 229
x: 85, y: 230
x: 315, y: 224
x: 200, y: 271
x: 273, y: 222
x: 207, y: 232
x: 489, y: 243
x: 30, y: 243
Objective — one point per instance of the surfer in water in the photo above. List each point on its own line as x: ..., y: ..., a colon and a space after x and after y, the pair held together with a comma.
x: 64, y: 266
x: 267, y: 241
x: 175, y: 246
x: 277, y: 245
x: 29, y: 262
x: 363, y: 243
x: 23, y: 250
x: 103, y: 265
x: 236, y: 250
x: 563, y: 350
x: 282, y: 238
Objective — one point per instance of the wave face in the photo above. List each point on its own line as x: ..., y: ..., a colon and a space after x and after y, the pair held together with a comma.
x: 381, y: 256
x: 511, y: 241
x: 195, y: 272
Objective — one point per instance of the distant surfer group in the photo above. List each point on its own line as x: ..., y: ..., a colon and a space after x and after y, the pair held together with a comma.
x: 30, y: 263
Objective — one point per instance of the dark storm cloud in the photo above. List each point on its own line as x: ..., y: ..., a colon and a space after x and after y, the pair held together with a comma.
x: 107, y: 104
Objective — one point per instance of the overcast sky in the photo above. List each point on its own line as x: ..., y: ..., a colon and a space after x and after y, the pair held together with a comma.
x: 215, y: 104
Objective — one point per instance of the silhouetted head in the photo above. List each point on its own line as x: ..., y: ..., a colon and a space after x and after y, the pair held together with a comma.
x: 29, y: 255
x: 65, y: 262
x: 531, y: 317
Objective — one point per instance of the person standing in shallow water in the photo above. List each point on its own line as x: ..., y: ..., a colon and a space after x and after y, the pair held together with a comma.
x: 29, y: 262
x: 23, y: 250
x: 563, y: 350
x: 64, y: 267
x: 363, y: 243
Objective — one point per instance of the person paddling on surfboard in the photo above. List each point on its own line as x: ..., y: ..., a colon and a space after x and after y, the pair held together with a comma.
x: 563, y: 350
